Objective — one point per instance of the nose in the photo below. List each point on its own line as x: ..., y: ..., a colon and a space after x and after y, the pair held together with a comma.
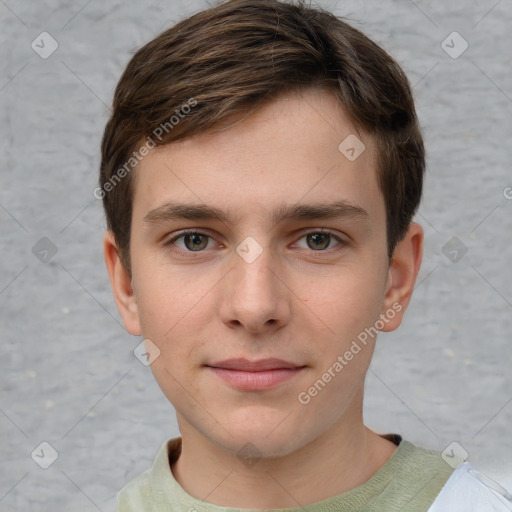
x: 255, y: 296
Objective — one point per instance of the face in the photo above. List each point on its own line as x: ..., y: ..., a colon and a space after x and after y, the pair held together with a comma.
x: 258, y: 243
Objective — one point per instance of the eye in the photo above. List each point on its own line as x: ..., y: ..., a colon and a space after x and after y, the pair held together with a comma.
x: 191, y: 241
x: 319, y: 241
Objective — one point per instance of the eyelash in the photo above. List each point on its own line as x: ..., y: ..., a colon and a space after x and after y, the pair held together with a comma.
x: 341, y: 243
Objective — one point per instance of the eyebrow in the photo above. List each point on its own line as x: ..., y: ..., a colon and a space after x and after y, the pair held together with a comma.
x: 180, y: 211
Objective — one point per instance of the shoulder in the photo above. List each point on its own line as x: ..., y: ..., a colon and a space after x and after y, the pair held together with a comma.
x: 415, y: 462
x: 134, y: 496
x: 468, y: 490
x: 411, y: 479
x: 144, y: 492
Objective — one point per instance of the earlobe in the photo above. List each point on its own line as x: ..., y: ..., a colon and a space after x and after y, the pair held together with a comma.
x: 121, y: 283
x: 403, y: 270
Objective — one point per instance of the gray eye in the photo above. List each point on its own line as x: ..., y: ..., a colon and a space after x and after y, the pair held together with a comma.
x: 318, y: 241
x: 195, y: 241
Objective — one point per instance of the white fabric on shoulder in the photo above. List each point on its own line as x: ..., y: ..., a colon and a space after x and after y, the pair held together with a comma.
x: 468, y: 490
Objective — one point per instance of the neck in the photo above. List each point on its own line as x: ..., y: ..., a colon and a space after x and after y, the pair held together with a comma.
x: 341, y: 459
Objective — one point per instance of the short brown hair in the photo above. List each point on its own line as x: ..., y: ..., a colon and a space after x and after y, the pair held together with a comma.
x: 232, y: 58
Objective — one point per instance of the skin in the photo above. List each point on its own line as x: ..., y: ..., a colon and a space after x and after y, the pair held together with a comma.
x: 293, y: 302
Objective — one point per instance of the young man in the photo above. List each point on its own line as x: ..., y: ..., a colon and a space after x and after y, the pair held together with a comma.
x: 259, y: 174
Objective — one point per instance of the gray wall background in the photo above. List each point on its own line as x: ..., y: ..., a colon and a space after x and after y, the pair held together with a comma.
x: 68, y: 373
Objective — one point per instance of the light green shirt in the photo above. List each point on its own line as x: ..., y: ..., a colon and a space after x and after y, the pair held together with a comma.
x: 409, y: 482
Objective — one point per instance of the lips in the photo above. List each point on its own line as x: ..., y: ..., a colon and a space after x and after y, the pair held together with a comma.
x: 259, y: 375
x: 254, y: 366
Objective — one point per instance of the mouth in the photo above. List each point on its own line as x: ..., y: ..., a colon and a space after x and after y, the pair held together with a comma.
x: 255, y: 375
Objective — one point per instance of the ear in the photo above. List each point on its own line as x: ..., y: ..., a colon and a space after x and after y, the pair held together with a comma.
x: 403, y: 270
x: 121, y: 284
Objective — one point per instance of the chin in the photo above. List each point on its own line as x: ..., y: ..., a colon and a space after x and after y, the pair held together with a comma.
x: 267, y: 439
x: 256, y: 444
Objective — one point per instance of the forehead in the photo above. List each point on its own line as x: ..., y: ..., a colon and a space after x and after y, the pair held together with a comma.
x: 300, y: 148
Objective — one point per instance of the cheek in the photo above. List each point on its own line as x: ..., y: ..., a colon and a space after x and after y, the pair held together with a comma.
x: 174, y: 314
x: 170, y: 298
x: 345, y: 302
